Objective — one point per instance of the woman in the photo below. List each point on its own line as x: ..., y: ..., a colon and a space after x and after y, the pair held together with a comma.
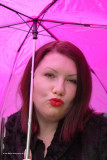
x: 63, y: 125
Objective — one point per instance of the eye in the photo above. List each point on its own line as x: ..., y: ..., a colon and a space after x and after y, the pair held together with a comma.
x: 49, y: 75
x: 72, y: 81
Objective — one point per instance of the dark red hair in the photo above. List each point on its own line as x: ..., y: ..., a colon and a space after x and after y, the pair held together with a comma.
x: 79, y: 114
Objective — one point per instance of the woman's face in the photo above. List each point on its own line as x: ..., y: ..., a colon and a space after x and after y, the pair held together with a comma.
x: 54, y: 86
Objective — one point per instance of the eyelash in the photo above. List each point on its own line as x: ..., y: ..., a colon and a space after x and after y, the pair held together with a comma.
x: 50, y: 75
x: 72, y: 81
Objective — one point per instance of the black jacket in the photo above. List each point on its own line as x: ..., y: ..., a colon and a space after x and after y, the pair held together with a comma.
x: 88, y: 145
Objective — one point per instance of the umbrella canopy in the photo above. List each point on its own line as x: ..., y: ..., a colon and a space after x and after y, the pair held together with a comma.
x: 78, y: 21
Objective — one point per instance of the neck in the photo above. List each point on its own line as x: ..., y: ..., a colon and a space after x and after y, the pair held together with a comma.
x: 47, y: 131
x: 47, y: 128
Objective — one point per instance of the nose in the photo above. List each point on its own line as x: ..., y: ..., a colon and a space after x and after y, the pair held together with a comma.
x: 59, y: 88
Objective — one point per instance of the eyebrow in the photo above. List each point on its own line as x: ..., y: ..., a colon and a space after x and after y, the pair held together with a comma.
x: 70, y: 75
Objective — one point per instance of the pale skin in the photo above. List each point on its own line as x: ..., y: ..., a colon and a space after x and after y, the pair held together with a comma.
x: 55, y: 77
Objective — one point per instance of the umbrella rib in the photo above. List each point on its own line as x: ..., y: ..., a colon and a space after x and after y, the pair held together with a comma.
x: 15, y: 11
x: 25, y: 39
x: 52, y: 27
x: 14, y: 24
x: 65, y: 24
x: 48, y: 31
x: 54, y: 21
x: 72, y: 23
x: 46, y: 8
x: 23, y: 20
x: 43, y: 12
x: 41, y: 18
x: 19, y: 29
x: 99, y: 80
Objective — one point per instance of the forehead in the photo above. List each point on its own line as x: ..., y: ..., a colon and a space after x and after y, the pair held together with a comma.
x: 58, y: 61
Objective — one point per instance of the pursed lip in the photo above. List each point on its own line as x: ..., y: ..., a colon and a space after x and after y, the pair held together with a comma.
x: 56, y: 102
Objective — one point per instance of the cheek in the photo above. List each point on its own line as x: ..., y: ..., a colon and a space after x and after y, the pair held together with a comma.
x: 39, y: 87
x: 71, y: 92
x: 37, y: 93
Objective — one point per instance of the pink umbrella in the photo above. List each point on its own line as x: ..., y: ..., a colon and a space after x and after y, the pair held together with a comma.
x: 80, y: 22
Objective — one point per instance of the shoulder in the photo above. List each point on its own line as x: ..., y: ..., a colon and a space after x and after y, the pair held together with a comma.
x: 13, y: 130
x: 14, y: 140
x: 94, y: 138
x: 13, y: 121
x: 15, y: 115
x: 98, y: 121
x: 96, y: 129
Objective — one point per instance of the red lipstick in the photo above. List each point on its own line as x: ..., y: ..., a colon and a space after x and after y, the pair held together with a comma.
x: 56, y: 102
